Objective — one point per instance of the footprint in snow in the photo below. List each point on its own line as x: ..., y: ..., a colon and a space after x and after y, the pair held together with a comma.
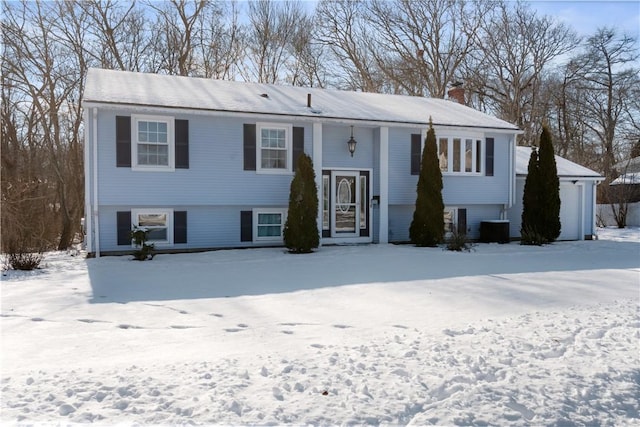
x: 182, y: 327
x: 287, y: 332
x: 242, y: 325
x: 124, y: 326
x: 92, y: 321
x: 233, y: 330
x: 317, y: 346
x: 216, y: 315
x: 37, y: 319
x: 342, y: 326
x: 400, y: 326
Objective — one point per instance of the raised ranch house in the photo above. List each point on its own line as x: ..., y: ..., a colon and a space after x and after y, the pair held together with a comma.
x: 207, y: 164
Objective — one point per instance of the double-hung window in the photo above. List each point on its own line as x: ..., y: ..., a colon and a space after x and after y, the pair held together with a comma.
x: 157, y: 222
x: 460, y: 154
x: 152, y: 145
x: 274, y: 147
x: 268, y: 224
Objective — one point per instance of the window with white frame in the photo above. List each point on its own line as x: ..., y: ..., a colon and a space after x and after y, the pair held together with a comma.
x: 268, y: 224
x: 450, y: 221
x: 152, y: 143
x: 461, y: 155
x: 274, y: 147
x: 157, y: 222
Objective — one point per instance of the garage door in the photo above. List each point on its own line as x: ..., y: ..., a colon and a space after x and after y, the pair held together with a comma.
x: 570, y: 211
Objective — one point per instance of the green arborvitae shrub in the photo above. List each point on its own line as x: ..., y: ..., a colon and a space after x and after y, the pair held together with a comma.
x: 301, y: 228
x: 427, y: 227
x: 531, y: 202
x: 549, y: 188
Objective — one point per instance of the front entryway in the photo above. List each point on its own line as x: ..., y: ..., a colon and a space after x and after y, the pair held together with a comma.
x: 346, y: 205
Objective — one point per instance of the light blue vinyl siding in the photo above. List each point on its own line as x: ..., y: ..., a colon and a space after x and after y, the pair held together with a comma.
x: 457, y: 189
x: 335, y: 153
x: 207, y: 227
x: 400, y: 217
x: 215, y: 175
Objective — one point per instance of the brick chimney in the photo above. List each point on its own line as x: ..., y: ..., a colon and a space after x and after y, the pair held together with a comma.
x: 456, y: 93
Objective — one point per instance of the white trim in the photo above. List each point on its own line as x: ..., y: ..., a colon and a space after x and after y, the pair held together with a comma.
x: 317, y: 168
x: 88, y: 216
x: 96, y: 222
x: 288, y: 138
x: 156, y: 211
x: 383, y: 231
x: 170, y: 121
x: 454, y: 219
x: 462, y: 135
x: 582, y: 205
x: 283, y: 219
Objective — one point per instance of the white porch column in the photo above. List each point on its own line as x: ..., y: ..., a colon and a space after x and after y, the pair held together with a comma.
x: 384, y: 185
x: 317, y: 169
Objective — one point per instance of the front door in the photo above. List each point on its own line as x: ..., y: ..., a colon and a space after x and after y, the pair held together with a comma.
x: 345, y: 204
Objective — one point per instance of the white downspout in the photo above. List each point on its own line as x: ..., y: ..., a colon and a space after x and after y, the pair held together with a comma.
x: 317, y: 166
x: 95, y: 182
x: 88, y: 207
x: 594, y: 209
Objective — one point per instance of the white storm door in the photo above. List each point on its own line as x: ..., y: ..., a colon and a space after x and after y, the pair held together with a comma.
x: 345, y: 206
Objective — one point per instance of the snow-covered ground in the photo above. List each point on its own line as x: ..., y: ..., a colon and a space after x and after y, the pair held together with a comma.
x: 379, y: 334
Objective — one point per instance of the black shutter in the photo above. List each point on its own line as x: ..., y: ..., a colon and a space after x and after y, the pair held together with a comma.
x: 489, y: 157
x: 249, y: 147
x: 124, y: 227
x: 462, y: 221
x: 298, y: 145
x: 246, y: 226
x: 182, y: 144
x: 123, y: 141
x: 327, y: 232
x: 416, y: 153
x: 364, y: 232
x: 180, y: 227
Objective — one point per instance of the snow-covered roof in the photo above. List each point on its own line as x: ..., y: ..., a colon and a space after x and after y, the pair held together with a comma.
x: 628, y: 165
x: 627, y: 178
x: 566, y: 168
x: 141, y: 89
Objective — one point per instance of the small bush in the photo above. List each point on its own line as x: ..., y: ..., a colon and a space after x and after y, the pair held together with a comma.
x: 23, y: 260
x: 458, y: 242
x: 144, y: 251
x: 530, y: 236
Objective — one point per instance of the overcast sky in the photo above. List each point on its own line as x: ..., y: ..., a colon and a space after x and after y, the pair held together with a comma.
x: 585, y: 16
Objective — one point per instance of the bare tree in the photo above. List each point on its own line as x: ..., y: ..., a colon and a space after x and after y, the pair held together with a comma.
x: 516, y: 48
x: 219, y: 41
x: 343, y: 28
x: 609, y: 80
x: 424, y: 42
x: 117, y: 37
x: 40, y: 68
x: 274, y: 27
x: 174, y: 33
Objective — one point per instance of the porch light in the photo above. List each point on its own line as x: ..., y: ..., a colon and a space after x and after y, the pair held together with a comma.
x: 351, y: 143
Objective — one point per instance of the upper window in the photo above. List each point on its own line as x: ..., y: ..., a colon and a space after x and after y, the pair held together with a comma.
x: 158, y: 223
x: 274, y: 148
x: 460, y: 155
x: 152, y: 145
